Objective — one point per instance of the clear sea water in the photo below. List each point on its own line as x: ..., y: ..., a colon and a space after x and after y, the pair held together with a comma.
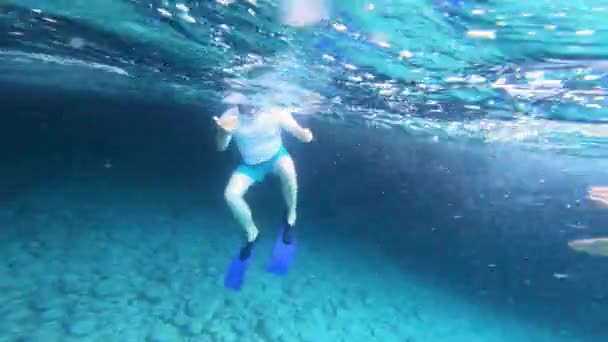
x: 455, y: 142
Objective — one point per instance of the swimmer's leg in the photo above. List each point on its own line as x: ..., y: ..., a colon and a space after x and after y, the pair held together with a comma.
x: 285, y: 169
x: 235, y: 191
x: 285, y: 247
x: 234, y: 194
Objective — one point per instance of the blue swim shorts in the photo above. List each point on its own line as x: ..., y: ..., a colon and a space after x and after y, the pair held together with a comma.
x: 259, y: 171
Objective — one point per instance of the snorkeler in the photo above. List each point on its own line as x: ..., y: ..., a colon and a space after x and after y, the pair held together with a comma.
x: 257, y: 134
x: 594, y: 246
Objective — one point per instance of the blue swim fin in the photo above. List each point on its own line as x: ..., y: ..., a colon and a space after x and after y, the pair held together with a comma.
x: 235, y: 275
x: 284, y: 251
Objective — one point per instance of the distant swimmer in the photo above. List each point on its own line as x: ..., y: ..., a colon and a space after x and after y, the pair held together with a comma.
x: 257, y: 134
x: 594, y: 246
x: 599, y: 195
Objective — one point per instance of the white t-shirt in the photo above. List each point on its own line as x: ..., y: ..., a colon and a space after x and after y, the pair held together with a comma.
x: 258, y: 137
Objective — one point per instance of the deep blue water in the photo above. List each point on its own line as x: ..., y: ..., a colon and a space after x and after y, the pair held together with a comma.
x: 413, y: 226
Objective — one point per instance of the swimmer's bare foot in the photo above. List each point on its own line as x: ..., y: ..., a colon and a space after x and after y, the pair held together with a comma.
x: 599, y: 195
x: 596, y: 246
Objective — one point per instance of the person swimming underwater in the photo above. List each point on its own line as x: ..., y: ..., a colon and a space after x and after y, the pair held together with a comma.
x: 257, y: 134
x: 594, y: 246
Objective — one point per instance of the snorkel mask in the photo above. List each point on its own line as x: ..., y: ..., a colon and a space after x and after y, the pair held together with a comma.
x: 241, y: 101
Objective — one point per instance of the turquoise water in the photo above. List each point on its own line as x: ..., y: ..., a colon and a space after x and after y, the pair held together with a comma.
x: 454, y: 145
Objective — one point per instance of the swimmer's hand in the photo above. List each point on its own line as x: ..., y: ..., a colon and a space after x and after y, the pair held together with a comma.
x: 307, y: 135
x: 226, y: 123
x: 599, y: 195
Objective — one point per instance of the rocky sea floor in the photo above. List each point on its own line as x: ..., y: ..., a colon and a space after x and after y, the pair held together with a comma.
x: 74, y: 267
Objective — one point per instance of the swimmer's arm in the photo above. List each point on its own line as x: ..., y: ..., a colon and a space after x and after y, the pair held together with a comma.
x: 290, y: 124
x: 223, y: 137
